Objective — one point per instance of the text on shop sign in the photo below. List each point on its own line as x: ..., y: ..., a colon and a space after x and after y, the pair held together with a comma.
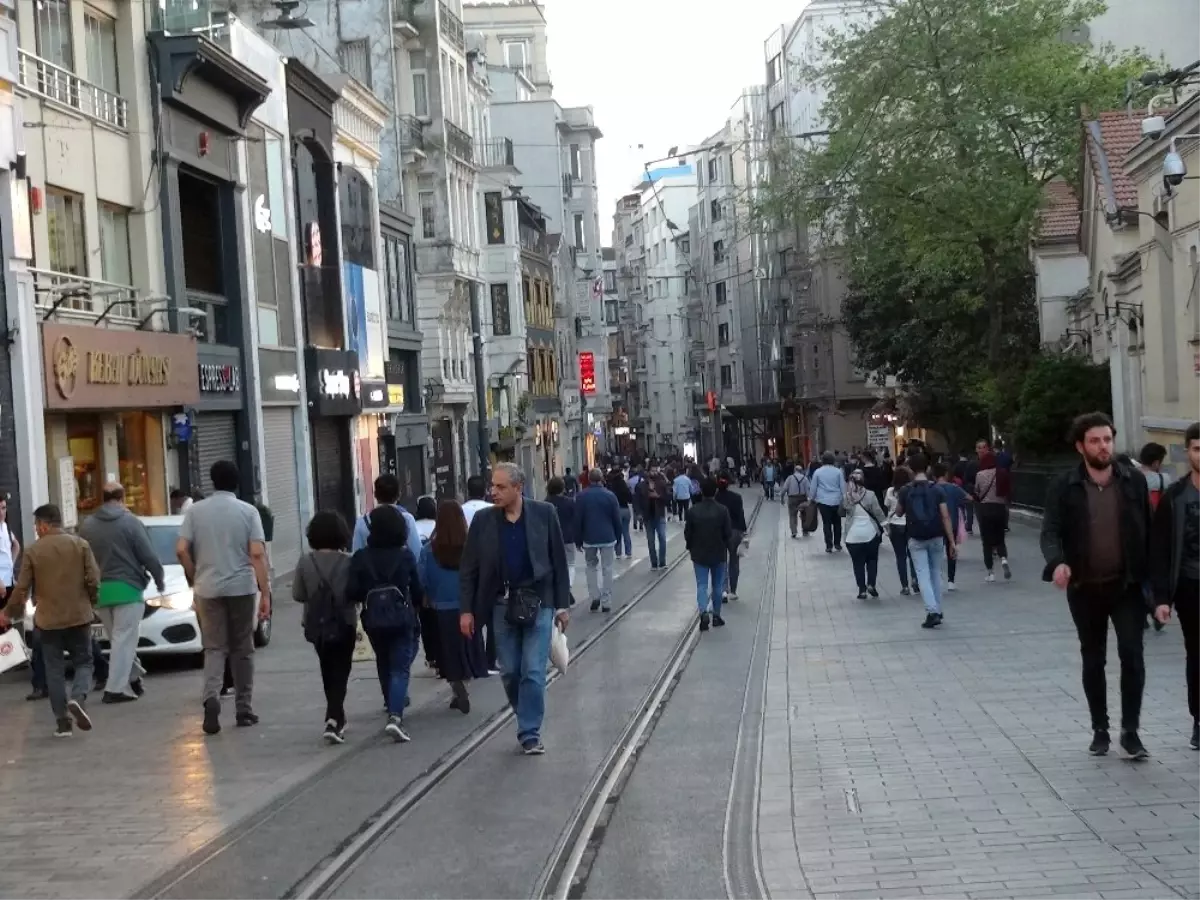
x: 128, y: 368
x: 335, y: 383
x: 217, y: 379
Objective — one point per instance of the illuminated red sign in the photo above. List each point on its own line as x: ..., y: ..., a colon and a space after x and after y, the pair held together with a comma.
x: 587, y: 372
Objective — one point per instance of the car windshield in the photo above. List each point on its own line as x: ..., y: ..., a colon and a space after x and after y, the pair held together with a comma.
x: 162, y: 539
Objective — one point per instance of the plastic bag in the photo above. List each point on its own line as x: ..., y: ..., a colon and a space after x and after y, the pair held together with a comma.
x: 560, y: 654
x: 12, y: 650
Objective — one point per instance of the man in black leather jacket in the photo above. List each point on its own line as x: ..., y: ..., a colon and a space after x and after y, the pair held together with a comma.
x: 707, y: 533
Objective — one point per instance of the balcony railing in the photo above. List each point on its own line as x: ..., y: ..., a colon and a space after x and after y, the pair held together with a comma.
x: 458, y: 143
x: 64, y: 291
x: 412, y: 134
x: 59, y: 85
x: 451, y: 25
x: 214, y: 326
x: 495, y: 154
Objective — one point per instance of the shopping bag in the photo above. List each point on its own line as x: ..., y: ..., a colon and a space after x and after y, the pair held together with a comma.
x: 560, y: 655
x: 12, y: 650
x: 363, y: 651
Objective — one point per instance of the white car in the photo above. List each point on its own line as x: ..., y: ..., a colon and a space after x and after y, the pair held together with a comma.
x: 169, y: 624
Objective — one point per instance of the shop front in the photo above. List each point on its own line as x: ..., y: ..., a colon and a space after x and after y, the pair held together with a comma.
x: 282, y: 396
x: 116, y: 410
x: 403, y: 437
x: 334, y: 401
x: 217, y: 420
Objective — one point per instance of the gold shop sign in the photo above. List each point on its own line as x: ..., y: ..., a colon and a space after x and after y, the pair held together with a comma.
x: 103, y: 368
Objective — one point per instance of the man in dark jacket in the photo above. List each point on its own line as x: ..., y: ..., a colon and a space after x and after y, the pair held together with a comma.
x: 127, y: 563
x: 1175, y: 566
x: 654, y: 495
x: 515, y: 552
x: 620, y: 487
x: 1095, y: 539
x: 565, y: 507
x: 598, y: 516
x: 732, y: 501
x: 708, y: 533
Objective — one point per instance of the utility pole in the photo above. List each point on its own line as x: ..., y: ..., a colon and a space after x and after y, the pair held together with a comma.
x: 483, y: 444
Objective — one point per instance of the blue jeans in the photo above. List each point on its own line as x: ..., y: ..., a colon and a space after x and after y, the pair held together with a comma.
x: 657, y: 528
x: 927, y: 561
x: 626, y: 518
x: 524, y: 653
x: 394, y: 655
x: 706, y: 576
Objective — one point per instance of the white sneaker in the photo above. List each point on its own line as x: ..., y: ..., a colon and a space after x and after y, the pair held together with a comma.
x: 1007, y: 568
x: 395, y: 730
x: 990, y: 578
x: 950, y: 586
x: 730, y: 595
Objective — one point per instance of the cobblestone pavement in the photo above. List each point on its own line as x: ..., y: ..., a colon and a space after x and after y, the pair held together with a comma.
x: 950, y: 763
x: 102, y: 814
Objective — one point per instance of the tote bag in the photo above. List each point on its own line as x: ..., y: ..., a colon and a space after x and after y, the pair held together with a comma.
x: 12, y: 650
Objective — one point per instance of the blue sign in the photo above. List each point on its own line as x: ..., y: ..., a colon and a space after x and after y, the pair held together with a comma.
x: 356, y: 309
x: 181, y: 425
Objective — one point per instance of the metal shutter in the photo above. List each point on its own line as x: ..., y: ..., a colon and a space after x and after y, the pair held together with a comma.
x: 279, y: 455
x: 216, y: 439
x: 329, y: 459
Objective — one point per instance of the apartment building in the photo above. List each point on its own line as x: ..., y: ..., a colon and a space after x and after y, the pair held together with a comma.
x: 629, y: 404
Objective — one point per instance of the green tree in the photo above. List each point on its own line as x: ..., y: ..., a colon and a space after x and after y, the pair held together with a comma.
x: 1056, y: 389
x: 947, y: 118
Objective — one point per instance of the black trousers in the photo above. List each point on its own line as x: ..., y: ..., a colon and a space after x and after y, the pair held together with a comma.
x: 1187, y: 607
x: 831, y: 521
x: 898, y: 535
x: 1092, y: 605
x: 336, y: 660
x: 951, y: 563
x: 865, y: 559
x: 993, y: 518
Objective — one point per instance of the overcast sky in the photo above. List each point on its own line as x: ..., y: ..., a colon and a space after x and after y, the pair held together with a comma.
x: 659, y: 73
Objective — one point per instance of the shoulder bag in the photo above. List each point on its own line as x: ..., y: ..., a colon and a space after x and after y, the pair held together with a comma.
x: 521, y: 602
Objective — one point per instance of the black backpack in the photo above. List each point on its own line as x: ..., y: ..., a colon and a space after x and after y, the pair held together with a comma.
x: 922, y: 514
x: 325, y: 617
x: 386, y: 607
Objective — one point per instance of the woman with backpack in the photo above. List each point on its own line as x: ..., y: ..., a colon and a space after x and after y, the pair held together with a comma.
x: 461, y: 658
x: 329, y: 617
x: 383, y: 581
x: 991, y: 493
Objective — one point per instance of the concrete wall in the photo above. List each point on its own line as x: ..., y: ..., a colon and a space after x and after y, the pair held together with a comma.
x: 1061, y: 272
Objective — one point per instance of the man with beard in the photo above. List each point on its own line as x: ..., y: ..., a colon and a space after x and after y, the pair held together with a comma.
x: 1175, y: 566
x: 1096, y: 542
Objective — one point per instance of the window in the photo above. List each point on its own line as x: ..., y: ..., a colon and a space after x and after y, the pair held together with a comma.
x: 356, y: 203
x: 611, y: 315
x: 789, y: 357
x: 723, y: 335
x: 719, y: 290
x: 114, y: 244
x: 276, y: 195
x: 718, y: 251
x: 773, y: 70
x: 501, y: 321
x: 101, y: 48
x: 654, y: 365
x: 396, y: 257
x: 355, y: 59
x: 428, y: 223
x: 816, y: 357
x: 52, y: 30
x: 610, y: 282
x: 576, y: 170
x: 685, y: 246
x: 420, y: 95
x: 713, y: 164
x: 493, y: 217
x: 580, y: 242
x: 64, y: 231
x: 715, y: 207
x: 727, y: 377
x: 516, y: 56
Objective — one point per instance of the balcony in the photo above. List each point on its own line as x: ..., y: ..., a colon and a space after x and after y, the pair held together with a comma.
x: 64, y: 293
x: 444, y: 256
x: 56, y: 84
x: 214, y: 326
x: 495, y: 154
x: 451, y: 26
x: 404, y: 26
x: 458, y: 143
x: 412, y: 136
x: 207, y: 17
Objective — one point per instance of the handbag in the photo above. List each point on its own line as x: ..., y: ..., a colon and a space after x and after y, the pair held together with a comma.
x: 521, y: 604
x: 12, y: 650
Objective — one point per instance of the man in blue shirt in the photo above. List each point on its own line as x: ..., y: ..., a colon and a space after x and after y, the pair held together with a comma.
x: 681, y: 491
x: 387, y: 493
x: 828, y: 486
x: 598, y: 528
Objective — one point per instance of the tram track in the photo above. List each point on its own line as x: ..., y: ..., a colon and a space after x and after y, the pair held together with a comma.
x: 324, y: 878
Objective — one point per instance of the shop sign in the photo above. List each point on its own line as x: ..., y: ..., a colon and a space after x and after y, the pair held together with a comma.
x: 375, y: 394
x: 334, y: 386
x: 220, y: 379
x: 587, y: 372
x: 395, y: 395
x: 104, y: 368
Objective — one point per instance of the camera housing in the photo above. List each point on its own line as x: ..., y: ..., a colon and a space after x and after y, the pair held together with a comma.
x: 1153, y: 127
x: 1174, y: 168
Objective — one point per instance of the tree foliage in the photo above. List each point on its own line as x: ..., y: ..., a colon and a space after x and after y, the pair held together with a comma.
x: 1056, y: 389
x: 947, y: 118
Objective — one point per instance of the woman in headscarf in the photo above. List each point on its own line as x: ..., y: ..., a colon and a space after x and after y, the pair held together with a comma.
x: 992, y: 488
x: 863, y: 532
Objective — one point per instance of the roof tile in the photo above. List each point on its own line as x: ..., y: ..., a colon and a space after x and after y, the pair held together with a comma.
x: 1119, y: 132
x: 1060, y: 212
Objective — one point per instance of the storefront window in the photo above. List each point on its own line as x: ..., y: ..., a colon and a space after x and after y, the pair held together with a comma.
x: 83, y: 443
x: 142, y: 466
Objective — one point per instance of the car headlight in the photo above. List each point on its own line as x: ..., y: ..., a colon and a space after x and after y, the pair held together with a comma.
x: 180, y: 601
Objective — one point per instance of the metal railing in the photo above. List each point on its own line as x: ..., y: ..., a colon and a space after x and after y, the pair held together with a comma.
x: 214, y: 326
x: 495, y: 154
x: 59, y: 85
x: 412, y: 134
x: 451, y: 25
x: 1031, y: 480
x: 458, y: 143
x: 64, y: 291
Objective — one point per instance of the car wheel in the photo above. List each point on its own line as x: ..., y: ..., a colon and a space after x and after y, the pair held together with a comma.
x: 262, y: 634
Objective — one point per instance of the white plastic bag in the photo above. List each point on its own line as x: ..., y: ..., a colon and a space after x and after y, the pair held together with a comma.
x: 560, y: 654
x: 12, y: 650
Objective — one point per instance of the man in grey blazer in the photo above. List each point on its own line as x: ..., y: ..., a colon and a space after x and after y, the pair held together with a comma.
x: 517, y: 544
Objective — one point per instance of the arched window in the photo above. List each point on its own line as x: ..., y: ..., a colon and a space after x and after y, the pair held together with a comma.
x: 356, y: 202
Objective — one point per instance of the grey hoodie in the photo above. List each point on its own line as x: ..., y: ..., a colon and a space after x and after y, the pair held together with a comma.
x: 122, y: 547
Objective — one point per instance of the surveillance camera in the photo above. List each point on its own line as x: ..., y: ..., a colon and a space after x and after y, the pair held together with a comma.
x: 1174, y: 169
x: 1153, y: 127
